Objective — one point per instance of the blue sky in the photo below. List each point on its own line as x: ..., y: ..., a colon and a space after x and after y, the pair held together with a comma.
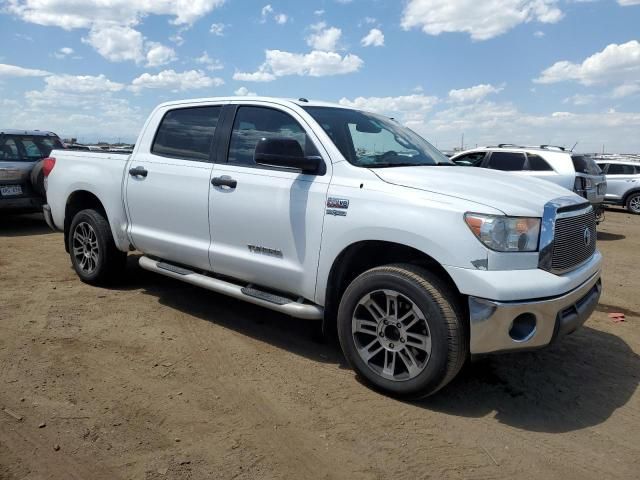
x: 530, y: 71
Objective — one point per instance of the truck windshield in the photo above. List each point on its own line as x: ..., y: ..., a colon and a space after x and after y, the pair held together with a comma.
x: 27, y: 148
x: 373, y: 141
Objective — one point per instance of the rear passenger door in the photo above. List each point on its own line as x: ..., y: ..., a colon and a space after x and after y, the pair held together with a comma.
x: 167, y: 190
x: 620, y: 179
x: 266, y: 222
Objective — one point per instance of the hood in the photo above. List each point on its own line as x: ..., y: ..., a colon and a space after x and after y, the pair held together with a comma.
x: 511, y: 193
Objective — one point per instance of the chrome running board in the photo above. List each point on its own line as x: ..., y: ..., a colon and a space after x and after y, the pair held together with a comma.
x: 246, y: 293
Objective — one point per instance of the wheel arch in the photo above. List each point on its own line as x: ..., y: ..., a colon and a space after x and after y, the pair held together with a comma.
x: 361, y: 256
x: 77, y: 201
x: 628, y: 194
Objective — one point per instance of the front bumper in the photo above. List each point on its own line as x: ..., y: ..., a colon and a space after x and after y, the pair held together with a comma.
x: 502, y: 326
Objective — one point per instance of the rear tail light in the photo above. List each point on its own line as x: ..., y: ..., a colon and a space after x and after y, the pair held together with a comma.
x: 47, y: 165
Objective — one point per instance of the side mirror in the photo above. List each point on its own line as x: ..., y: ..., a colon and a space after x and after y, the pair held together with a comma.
x: 285, y: 152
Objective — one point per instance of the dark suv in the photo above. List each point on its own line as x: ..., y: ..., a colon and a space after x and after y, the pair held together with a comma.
x: 21, y: 177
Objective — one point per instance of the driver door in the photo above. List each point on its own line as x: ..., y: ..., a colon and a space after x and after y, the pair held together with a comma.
x: 266, y: 222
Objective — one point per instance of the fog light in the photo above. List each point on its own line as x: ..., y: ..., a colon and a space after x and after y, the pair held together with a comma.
x: 523, y: 327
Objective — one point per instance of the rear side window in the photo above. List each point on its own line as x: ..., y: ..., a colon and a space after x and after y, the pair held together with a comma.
x: 537, y: 163
x: 470, y: 160
x: 254, y: 123
x: 187, y: 133
x: 617, y: 169
x: 585, y: 165
x: 507, y: 161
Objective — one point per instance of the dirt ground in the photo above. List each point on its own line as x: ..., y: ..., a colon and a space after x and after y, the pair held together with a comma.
x: 156, y: 379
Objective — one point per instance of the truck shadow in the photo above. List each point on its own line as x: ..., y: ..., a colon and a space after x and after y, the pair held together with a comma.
x: 578, y: 383
x: 606, y: 236
x: 575, y: 384
x: 16, y: 225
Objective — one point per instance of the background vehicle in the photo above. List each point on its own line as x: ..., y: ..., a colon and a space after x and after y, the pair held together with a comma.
x: 572, y: 171
x: 325, y: 212
x: 623, y: 183
x: 21, y: 176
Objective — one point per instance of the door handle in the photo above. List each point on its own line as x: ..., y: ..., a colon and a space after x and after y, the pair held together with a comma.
x: 138, y: 172
x: 224, y: 181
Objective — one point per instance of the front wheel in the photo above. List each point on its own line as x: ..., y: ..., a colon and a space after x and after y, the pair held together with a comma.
x: 633, y: 203
x: 402, y: 330
x: 94, y: 255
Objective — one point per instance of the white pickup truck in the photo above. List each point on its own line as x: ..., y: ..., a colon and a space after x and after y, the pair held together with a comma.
x: 324, y: 212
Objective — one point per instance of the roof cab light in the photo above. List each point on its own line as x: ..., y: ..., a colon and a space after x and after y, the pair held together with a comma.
x: 47, y: 165
x: 505, y: 234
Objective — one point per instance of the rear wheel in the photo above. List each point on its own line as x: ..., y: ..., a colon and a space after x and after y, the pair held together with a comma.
x: 402, y: 331
x: 633, y: 203
x: 93, y: 252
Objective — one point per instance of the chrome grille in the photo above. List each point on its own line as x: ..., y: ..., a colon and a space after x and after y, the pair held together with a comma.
x: 574, y: 241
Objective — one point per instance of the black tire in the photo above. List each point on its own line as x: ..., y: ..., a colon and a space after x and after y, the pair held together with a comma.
x: 633, y: 203
x: 109, y: 262
x: 37, y: 179
x: 445, y: 324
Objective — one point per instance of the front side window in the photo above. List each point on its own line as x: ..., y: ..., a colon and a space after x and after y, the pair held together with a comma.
x: 471, y: 159
x: 373, y: 141
x: 617, y: 169
x: 255, y: 123
x: 187, y: 133
x: 507, y: 161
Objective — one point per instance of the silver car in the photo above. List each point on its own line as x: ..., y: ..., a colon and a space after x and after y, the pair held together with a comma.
x: 21, y: 178
x: 623, y: 183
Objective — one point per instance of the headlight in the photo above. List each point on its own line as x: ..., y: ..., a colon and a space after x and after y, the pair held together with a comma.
x: 505, y: 234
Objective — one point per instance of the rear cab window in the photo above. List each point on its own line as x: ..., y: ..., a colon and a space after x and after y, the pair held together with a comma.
x: 585, y: 165
x: 187, y: 133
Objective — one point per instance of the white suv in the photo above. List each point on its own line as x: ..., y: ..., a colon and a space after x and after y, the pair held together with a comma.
x: 623, y: 180
x: 575, y: 172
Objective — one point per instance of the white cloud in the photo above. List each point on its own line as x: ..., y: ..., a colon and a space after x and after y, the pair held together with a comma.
x: 615, y: 64
x: 63, y: 52
x: 281, y: 18
x: 117, y: 43
x: 159, y: 55
x: 244, y: 92
x: 266, y: 10
x: 628, y: 3
x: 473, y: 94
x: 375, y: 38
x: 626, y: 90
x: 217, y: 29
x: 111, y: 22
x: 580, y: 99
x: 481, y: 19
x: 15, y: 71
x: 318, y: 12
x: 409, y: 108
x: 323, y: 37
x: 81, y: 84
x: 314, y: 64
x: 210, y: 64
x: 70, y: 14
x: 538, y: 34
x: 171, y: 80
